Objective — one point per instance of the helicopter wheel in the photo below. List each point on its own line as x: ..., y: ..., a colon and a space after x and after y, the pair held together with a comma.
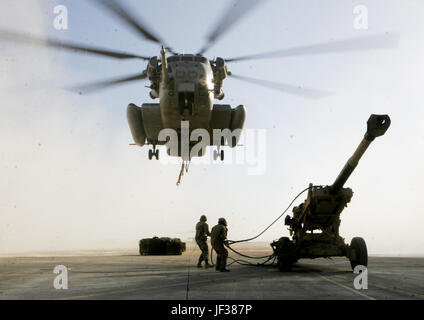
x: 150, y: 154
x: 156, y: 154
x: 217, y: 153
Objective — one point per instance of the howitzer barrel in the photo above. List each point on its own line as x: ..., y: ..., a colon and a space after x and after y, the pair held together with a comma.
x: 377, y: 125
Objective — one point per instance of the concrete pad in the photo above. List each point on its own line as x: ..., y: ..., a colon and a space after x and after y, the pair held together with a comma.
x: 130, y: 276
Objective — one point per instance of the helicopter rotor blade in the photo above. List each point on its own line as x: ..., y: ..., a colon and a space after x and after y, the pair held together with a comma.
x: 382, y: 41
x: 137, y: 24
x: 38, y: 41
x: 96, y: 86
x: 287, y: 88
x: 235, y: 12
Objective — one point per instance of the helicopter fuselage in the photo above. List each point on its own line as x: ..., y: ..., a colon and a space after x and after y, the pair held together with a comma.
x: 186, y: 92
x: 186, y: 86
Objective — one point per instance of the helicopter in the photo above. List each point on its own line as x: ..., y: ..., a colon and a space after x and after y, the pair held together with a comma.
x: 187, y: 85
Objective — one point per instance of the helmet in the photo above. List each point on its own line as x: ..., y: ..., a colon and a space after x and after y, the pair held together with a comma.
x: 222, y: 221
x: 203, y: 218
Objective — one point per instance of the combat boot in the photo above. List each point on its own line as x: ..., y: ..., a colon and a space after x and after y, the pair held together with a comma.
x: 199, y: 264
x: 207, y: 265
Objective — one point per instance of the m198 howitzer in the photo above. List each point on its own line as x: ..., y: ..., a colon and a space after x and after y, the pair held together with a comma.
x: 315, y: 224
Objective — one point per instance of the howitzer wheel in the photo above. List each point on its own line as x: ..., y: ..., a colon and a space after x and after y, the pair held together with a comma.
x: 286, y: 254
x: 359, y: 253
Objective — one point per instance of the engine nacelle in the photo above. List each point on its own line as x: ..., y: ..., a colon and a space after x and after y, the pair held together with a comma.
x: 220, y: 73
x: 238, y: 117
x: 227, y: 120
x: 135, y: 121
x: 153, y: 73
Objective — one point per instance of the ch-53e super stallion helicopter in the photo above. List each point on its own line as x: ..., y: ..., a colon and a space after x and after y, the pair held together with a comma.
x: 187, y: 84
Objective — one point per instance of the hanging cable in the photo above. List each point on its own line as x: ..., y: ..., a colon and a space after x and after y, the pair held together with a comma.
x: 231, y: 242
x: 181, y: 174
x: 278, y: 218
x: 246, y: 256
x: 247, y: 263
x: 184, y: 167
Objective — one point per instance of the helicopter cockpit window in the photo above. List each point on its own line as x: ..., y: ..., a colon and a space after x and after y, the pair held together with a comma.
x: 186, y: 58
x: 173, y: 59
x: 201, y: 59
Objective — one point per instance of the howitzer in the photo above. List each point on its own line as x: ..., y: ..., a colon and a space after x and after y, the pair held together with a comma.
x: 315, y: 224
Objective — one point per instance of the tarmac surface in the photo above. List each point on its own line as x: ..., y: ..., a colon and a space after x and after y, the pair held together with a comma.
x: 130, y: 276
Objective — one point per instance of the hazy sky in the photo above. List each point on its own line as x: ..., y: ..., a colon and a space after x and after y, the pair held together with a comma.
x: 69, y: 179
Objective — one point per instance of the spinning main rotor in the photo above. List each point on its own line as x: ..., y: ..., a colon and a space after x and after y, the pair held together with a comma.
x: 234, y: 14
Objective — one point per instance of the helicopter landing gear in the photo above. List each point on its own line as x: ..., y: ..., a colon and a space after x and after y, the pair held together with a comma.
x: 153, y: 153
x: 218, y: 153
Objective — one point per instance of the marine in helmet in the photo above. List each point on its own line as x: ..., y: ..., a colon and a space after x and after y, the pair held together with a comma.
x: 218, y: 239
x: 202, y: 233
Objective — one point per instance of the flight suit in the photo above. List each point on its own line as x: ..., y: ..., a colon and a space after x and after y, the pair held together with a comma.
x: 202, y: 233
x: 218, y: 237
